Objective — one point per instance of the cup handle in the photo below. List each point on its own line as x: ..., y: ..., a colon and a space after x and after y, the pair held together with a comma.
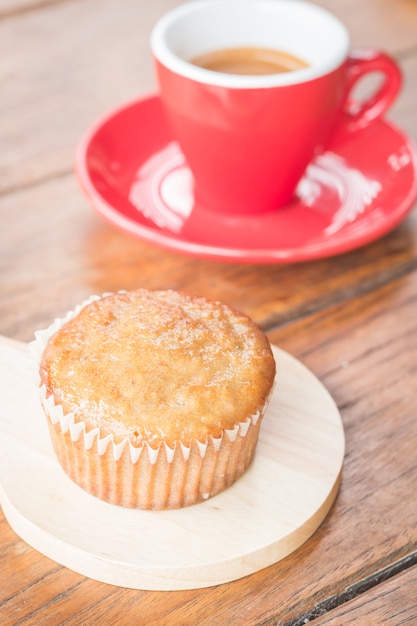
x: 357, y: 114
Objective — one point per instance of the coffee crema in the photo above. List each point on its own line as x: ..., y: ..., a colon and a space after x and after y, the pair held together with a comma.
x: 250, y: 61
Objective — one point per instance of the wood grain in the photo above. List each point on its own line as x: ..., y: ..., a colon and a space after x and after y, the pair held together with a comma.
x: 351, y: 319
x: 11, y: 8
x: 391, y: 603
x: 363, y: 532
x: 49, y: 98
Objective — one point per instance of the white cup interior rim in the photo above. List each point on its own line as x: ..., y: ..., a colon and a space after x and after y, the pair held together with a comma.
x: 295, y: 26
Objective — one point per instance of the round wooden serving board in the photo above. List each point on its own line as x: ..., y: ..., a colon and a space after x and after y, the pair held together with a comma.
x: 268, y: 513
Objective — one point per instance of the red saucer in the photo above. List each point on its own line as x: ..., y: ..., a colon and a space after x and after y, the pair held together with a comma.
x: 135, y: 176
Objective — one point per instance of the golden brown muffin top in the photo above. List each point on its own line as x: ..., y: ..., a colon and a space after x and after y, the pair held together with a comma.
x: 158, y: 366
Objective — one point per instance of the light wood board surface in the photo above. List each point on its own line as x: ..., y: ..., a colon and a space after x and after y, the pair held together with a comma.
x: 266, y: 515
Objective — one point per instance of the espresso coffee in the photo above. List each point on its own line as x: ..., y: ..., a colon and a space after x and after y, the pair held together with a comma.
x: 249, y: 61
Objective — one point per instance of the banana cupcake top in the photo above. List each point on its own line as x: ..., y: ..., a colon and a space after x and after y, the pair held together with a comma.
x: 158, y: 366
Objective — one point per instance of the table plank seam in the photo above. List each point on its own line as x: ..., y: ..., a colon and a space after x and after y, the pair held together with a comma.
x: 351, y: 592
x: 42, y: 578
x: 295, y: 315
x: 407, y: 53
x: 12, y: 12
x: 32, y: 184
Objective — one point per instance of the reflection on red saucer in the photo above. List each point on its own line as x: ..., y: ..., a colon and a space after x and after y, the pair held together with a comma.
x: 135, y: 176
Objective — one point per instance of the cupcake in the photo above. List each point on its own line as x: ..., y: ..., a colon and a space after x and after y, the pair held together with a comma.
x: 154, y: 399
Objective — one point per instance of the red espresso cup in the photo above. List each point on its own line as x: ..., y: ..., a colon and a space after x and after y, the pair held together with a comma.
x: 249, y: 138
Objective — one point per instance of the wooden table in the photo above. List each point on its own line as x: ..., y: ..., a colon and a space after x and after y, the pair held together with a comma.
x: 351, y: 319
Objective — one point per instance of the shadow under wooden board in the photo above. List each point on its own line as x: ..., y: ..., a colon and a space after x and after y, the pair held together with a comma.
x: 268, y: 513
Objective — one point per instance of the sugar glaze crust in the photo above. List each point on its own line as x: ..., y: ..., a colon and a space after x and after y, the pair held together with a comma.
x: 158, y: 366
